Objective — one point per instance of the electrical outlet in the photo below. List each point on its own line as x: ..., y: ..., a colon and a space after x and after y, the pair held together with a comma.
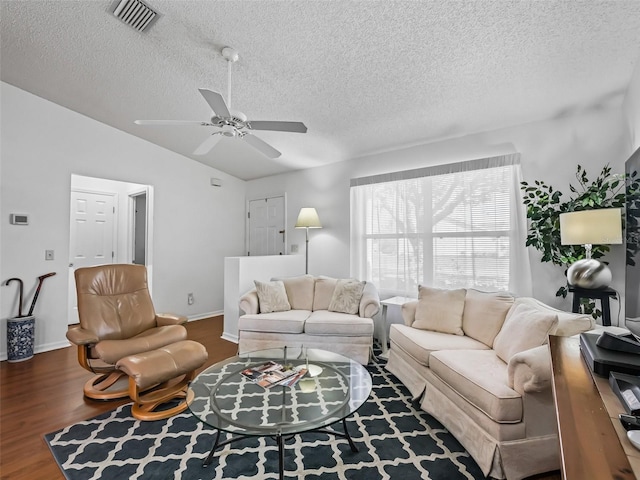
x: 190, y: 298
x: 294, y: 248
x: 48, y: 254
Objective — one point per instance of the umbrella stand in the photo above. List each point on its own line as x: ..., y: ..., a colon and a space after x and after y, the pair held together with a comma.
x: 20, y: 338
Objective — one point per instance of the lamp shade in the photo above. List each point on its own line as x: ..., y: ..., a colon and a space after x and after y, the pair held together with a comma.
x: 308, y: 218
x: 601, y: 226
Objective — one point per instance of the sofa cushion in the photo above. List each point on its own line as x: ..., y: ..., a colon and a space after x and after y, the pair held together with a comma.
x: 525, y: 327
x: 323, y: 292
x: 324, y: 322
x: 291, y: 321
x: 440, y: 310
x: 480, y: 377
x: 300, y: 291
x: 420, y: 343
x: 272, y: 296
x: 484, y: 314
x: 346, y: 296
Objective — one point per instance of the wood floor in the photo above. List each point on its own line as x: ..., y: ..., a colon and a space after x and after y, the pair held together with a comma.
x: 44, y: 394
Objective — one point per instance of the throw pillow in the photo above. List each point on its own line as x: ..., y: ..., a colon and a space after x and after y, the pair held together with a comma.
x: 346, y: 296
x: 299, y: 291
x: 323, y: 292
x: 525, y: 327
x: 272, y: 296
x: 440, y: 310
x: 484, y: 314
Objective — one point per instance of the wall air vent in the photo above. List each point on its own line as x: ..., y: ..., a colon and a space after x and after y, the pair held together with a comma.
x: 135, y: 13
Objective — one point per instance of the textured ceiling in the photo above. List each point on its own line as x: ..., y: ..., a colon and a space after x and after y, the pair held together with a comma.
x: 364, y: 76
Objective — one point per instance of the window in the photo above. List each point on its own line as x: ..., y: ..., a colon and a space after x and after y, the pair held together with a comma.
x: 453, y: 226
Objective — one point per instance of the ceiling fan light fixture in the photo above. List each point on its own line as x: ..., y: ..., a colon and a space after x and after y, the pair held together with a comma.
x: 228, y: 131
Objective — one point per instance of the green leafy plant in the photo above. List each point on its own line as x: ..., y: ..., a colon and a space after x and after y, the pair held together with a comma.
x: 544, y: 206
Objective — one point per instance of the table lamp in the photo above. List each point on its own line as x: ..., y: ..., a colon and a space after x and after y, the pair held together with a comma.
x: 308, y: 218
x: 601, y: 226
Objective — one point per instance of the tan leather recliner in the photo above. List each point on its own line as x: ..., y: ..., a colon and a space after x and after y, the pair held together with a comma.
x: 117, y: 319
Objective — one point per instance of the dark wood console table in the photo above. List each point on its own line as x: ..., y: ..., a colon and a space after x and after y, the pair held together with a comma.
x: 593, y: 444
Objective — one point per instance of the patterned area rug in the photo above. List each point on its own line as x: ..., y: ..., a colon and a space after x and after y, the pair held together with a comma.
x: 396, y: 440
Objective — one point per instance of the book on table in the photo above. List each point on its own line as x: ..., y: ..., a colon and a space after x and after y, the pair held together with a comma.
x: 272, y: 373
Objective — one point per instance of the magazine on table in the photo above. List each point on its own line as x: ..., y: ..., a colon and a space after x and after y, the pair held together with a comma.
x: 272, y: 373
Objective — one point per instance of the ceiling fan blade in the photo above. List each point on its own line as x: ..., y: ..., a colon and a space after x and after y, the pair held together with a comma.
x: 171, y: 122
x: 297, y: 127
x: 206, y: 146
x: 261, y: 145
x: 216, y: 102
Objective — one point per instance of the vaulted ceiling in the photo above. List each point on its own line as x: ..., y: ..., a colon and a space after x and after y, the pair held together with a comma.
x: 364, y: 76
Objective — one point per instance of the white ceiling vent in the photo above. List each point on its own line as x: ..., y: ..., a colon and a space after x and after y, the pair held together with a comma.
x: 135, y: 13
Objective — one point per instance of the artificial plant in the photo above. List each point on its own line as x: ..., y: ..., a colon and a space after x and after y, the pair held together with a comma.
x: 544, y: 206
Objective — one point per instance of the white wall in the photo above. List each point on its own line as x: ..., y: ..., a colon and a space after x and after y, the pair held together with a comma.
x: 631, y: 108
x: 195, y: 225
x: 550, y: 151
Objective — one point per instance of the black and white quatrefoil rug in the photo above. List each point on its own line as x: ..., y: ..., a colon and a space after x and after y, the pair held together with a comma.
x: 395, y: 439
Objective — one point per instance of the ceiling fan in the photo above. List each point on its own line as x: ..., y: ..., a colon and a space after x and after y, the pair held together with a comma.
x: 230, y: 124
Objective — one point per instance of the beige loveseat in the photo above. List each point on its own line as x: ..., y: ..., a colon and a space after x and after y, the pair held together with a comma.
x: 317, y: 312
x: 479, y: 363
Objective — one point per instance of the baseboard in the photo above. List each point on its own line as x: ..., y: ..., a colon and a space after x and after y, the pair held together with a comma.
x: 202, y: 316
x: 40, y: 349
x: 229, y: 337
x: 51, y: 346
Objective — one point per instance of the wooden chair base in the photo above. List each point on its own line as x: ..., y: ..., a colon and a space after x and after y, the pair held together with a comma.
x: 146, y: 406
x: 107, y: 386
x: 149, y: 411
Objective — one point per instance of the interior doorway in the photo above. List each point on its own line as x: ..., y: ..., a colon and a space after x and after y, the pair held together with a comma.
x: 139, y: 227
x: 266, y: 226
x: 110, y: 222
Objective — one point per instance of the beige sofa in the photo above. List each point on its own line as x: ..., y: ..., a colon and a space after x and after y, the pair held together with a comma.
x: 478, y: 362
x: 323, y: 313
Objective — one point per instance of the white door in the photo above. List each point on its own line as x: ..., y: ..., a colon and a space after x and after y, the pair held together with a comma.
x: 92, y: 237
x: 266, y: 227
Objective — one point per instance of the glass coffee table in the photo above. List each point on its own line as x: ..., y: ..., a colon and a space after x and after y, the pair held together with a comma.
x: 333, y: 388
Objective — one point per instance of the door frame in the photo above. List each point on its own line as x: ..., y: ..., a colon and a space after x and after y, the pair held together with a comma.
x: 148, y: 234
x: 147, y: 191
x: 247, y: 220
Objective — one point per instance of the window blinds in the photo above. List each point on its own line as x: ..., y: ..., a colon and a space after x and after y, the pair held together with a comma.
x: 459, y: 225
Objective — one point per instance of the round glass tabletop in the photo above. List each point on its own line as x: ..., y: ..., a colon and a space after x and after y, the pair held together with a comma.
x: 279, y: 391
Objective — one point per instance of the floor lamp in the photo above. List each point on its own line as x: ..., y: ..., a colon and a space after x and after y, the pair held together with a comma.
x: 308, y: 218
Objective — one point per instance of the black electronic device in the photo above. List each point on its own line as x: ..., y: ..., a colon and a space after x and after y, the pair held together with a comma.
x: 627, y: 389
x: 602, y: 361
x: 627, y: 343
x: 629, y: 422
